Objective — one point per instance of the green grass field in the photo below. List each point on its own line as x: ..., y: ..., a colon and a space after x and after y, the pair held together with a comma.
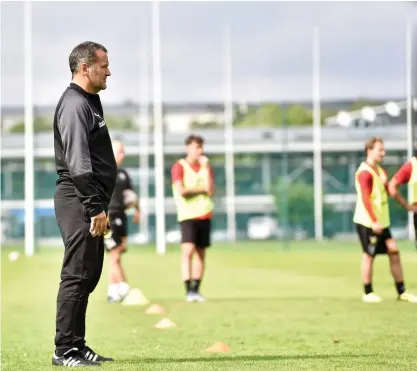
x: 296, y: 309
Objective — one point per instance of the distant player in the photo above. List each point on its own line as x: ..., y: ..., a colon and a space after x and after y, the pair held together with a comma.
x: 407, y: 174
x: 373, y: 221
x: 123, y: 198
x: 193, y: 187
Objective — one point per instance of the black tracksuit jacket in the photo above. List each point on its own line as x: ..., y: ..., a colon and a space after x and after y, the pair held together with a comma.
x: 83, y: 150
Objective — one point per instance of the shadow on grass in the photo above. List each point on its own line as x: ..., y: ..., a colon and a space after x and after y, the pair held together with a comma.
x: 227, y: 358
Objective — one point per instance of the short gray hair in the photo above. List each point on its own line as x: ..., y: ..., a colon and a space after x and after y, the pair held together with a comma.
x: 84, y: 53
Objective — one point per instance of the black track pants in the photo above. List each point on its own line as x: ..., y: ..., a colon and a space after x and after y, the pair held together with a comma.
x: 81, y: 268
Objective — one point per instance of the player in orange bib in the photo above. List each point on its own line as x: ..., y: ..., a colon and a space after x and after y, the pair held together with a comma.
x: 193, y: 187
x: 372, y: 221
x: 407, y: 174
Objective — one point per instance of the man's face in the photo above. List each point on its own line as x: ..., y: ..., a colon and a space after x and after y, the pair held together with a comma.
x: 378, y: 152
x: 194, y: 151
x: 99, y: 71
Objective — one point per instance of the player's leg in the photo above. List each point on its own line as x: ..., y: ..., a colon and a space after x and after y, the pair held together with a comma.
x: 188, y: 240
x: 119, y: 224
x: 203, y: 242
x: 394, y: 261
x: 187, y: 252
x: 115, y: 275
x: 396, y: 267
x: 367, y: 273
x: 197, y: 270
x: 124, y: 287
x: 368, y: 242
x: 112, y: 243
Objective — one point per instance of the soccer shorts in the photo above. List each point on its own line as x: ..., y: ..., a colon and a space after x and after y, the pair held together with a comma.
x: 197, y: 232
x: 372, y: 243
x: 118, y: 230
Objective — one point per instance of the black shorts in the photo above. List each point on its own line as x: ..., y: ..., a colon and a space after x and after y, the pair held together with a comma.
x: 373, y: 244
x: 118, y: 230
x: 197, y: 232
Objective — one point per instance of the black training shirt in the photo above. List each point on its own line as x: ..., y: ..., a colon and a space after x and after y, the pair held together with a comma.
x: 83, y: 149
x: 122, y: 183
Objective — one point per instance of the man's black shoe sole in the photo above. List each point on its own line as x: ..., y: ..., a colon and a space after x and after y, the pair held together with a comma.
x: 84, y: 363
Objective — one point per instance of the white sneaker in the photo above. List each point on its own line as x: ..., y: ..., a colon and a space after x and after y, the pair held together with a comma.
x: 371, y: 298
x: 190, y: 297
x: 195, y: 297
x: 124, y: 289
x: 407, y: 297
x: 114, y: 299
x: 199, y: 298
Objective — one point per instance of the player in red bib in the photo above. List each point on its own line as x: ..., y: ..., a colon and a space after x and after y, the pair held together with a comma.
x: 196, y: 229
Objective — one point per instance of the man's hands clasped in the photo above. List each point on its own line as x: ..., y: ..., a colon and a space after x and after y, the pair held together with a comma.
x: 98, y: 224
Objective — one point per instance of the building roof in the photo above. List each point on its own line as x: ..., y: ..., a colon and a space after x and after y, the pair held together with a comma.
x: 129, y: 108
x: 245, y: 140
x: 388, y: 113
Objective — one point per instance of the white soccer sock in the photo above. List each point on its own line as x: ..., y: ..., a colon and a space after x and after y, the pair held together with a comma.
x: 113, y: 291
x: 123, y: 288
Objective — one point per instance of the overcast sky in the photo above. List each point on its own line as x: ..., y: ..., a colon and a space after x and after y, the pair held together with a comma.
x: 362, y: 48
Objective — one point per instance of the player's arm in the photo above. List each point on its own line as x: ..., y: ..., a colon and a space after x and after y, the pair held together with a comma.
x: 205, y: 163
x: 74, y: 122
x: 366, y: 183
x: 212, y: 184
x: 134, y: 204
x: 129, y: 186
x: 401, y: 177
x: 177, y: 174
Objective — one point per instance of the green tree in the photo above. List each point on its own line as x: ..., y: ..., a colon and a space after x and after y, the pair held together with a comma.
x: 298, y: 114
x: 267, y: 115
x: 239, y: 115
x: 271, y: 115
x: 44, y: 124
x: 362, y: 102
x: 299, y: 199
x: 40, y: 124
x: 326, y: 113
x: 204, y: 125
x: 120, y: 122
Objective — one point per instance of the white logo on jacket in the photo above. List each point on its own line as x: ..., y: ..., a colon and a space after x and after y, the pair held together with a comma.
x: 102, y: 122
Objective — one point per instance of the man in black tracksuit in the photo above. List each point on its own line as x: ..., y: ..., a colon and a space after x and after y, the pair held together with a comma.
x: 87, y: 170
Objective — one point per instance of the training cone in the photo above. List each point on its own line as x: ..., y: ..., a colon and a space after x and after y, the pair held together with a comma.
x: 165, y: 323
x: 155, y: 309
x: 135, y: 297
x: 13, y: 256
x: 219, y: 347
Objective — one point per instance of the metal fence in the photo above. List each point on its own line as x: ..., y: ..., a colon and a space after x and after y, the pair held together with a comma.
x: 277, y: 177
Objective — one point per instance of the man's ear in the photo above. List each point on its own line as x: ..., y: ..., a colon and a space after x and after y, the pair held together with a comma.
x: 85, y: 68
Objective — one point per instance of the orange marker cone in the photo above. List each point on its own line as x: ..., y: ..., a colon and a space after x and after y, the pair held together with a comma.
x: 219, y: 347
x: 155, y: 309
